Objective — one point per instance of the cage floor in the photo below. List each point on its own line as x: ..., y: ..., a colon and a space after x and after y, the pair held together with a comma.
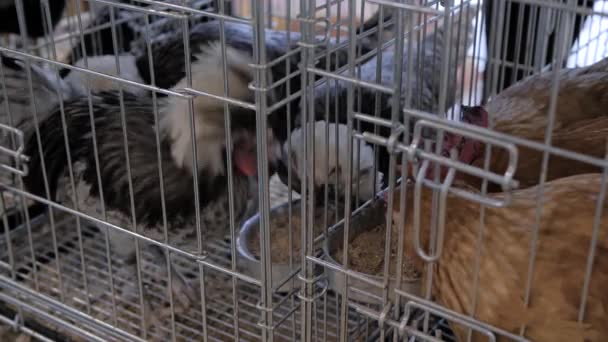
x: 55, y: 265
x: 227, y: 313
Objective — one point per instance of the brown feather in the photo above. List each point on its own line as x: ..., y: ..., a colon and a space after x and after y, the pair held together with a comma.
x: 568, y: 211
x: 581, y: 122
x: 587, y: 137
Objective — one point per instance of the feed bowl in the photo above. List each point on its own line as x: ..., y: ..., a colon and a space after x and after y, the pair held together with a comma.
x: 360, y: 290
x: 285, y: 265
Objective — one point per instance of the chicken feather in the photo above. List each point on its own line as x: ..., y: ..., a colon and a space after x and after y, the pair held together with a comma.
x: 565, y: 233
x: 581, y: 120
x: 522, y: 111
x: 523, y: 108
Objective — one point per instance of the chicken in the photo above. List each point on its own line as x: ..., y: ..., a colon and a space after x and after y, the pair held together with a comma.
x: 122, y: 184
x: 16, y: 107
x: 563, y: 247
x: 120, y: 181
x: 587, y: 137
x: 128, y: 192
x: 169, y: 70
x: 581, y: 124
x: 333, y: 95
x: 49, y: 90
x: 522, y: 109
x: 330, y: 163
x: 424, y: 82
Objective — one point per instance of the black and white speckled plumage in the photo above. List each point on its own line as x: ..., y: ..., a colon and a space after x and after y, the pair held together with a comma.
x: 143, y: 157
x: 203, y: 36
x: 175, y: 156
x: 109, y: 180
x: 16, y: 106
x: 169, y: 67
x: 173, y: 129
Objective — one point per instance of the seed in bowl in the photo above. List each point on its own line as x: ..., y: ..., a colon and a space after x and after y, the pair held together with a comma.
x: 279, y: 233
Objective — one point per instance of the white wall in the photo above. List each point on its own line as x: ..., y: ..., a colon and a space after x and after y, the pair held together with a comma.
x: 592, y: 43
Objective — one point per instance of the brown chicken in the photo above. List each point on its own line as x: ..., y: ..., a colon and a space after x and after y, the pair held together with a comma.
x: 565, y: 234
x: 581, y: 124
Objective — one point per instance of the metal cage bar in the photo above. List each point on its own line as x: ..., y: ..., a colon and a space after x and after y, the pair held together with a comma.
x: 276, y: 170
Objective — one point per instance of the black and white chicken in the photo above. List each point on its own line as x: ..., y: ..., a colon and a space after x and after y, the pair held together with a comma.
x: 330, y: 159
x: 117, y: 142
x: 21, y: 106
x: 128, y: 184
x: 19, y: 103
x: 423, y: 85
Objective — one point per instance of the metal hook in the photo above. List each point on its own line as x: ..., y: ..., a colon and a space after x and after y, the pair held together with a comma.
x: 505, y: 180
x: 445, y: 187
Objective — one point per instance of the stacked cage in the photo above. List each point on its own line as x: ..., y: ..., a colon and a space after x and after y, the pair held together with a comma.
x: 315, y: 170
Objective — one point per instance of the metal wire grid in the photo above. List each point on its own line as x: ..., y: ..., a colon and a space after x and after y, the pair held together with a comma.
x: 555, y: 20
x: 73, y: 279
x: 62, y: 280
x: 188, y: 327
x: 39, y: 297
x: 558, y: 13
x: 590, y: 46
x: 220, y: 307
x: 535, y: 26
x: 91, y: 18
x: 421, y: 18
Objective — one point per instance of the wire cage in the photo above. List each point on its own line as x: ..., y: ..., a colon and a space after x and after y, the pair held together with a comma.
x: 304, y: 170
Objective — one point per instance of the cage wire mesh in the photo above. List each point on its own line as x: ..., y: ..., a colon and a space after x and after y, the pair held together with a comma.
x: 304, y: 170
